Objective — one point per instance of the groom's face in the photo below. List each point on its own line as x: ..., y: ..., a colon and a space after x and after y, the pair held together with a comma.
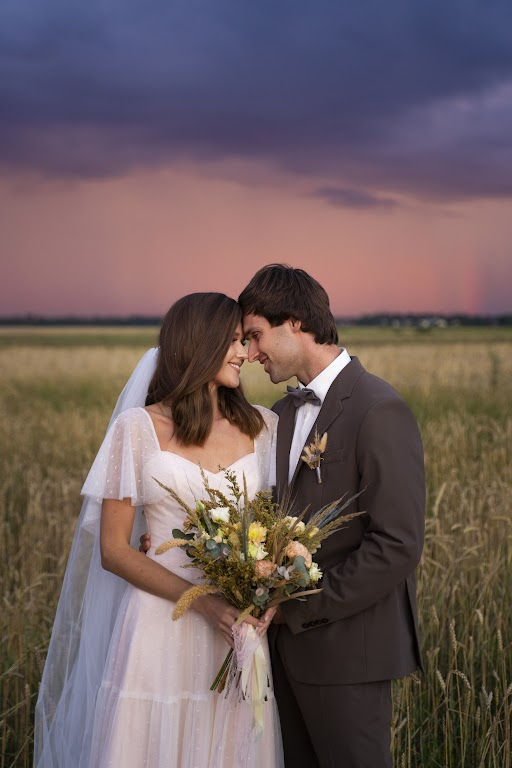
x: 275, y: 348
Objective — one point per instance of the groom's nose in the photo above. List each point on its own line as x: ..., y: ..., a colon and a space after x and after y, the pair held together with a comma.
x: 252, y: 351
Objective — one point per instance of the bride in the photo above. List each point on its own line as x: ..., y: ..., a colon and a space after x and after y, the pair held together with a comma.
x: 124, y: 684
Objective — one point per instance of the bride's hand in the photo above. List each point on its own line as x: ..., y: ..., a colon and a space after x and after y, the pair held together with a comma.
x: 221, y: 615
x: 266, y: 620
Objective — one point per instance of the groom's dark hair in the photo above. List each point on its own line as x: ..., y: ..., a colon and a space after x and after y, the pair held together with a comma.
x: 279, y: 293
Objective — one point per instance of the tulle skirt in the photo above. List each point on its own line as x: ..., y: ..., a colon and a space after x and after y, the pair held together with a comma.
x: 155, y: 707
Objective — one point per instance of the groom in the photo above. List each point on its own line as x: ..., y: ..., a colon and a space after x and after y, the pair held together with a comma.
x: 334, y: 655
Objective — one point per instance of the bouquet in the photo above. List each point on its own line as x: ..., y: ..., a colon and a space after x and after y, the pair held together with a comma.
x: 255, y: 555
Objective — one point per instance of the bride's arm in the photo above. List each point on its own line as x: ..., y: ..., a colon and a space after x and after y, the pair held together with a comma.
x: 119, y: 557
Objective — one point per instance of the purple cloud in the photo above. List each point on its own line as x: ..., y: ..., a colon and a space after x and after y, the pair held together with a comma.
x: 414, y: 99
x: 345, y: 197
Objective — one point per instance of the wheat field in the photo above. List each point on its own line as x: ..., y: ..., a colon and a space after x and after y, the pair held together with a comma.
x: 56, y: 393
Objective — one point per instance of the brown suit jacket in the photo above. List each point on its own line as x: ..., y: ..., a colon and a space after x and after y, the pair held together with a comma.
x: 363, y: 626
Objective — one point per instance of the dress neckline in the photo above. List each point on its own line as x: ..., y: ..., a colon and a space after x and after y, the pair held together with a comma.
x: 193, y: 463
x: 208, y: 471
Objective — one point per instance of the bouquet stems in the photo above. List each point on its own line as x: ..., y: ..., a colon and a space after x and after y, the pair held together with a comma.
x: 220, y: 681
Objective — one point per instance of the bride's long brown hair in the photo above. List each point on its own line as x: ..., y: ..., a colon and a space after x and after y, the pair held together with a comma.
x: 194, y: 339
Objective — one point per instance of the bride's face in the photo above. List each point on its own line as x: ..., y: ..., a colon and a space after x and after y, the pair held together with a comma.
x: 229, y: 373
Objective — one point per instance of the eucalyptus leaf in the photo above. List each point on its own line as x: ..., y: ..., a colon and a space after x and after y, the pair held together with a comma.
x: 177, y: 534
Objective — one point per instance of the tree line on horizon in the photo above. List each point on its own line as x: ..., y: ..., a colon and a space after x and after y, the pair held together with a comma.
x: 385, y: 319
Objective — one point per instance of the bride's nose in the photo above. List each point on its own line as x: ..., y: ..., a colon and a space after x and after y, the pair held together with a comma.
x: 242, y: 353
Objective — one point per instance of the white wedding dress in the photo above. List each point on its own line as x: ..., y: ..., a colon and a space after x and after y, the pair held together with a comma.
x: 153, y: 705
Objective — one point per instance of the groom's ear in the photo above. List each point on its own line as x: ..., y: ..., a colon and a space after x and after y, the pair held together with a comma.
x: 296, y: 325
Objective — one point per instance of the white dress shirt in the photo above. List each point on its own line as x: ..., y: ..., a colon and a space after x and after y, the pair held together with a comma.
x: 307, y: 413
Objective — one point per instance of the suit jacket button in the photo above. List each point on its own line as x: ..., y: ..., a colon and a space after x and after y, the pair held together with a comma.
x: 306, y: 625
x: 324, y: 621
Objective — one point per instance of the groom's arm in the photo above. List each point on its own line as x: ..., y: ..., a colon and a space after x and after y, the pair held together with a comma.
x: 389, y: 455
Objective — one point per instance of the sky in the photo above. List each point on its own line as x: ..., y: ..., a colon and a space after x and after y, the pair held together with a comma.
x: 148, y: 150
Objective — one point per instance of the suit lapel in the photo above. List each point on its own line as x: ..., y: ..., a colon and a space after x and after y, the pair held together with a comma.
x: 284, y: 443
x: 332, y: 407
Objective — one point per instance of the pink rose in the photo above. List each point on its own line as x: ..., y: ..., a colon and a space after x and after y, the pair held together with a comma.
x: 264, y: 569
x: 295, y: 548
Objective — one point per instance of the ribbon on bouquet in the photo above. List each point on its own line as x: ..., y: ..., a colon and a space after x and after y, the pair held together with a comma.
x: 240, y: 711
x: 251, y: 668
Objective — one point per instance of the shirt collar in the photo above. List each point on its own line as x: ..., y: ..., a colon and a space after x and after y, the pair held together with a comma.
x: 321, y: 383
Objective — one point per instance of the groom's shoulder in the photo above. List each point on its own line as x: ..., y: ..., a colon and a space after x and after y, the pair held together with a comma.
x: 369, y: 383
x: 361, y: 390
x: 279, y: 405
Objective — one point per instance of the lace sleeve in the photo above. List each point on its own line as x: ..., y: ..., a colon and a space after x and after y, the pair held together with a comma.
x: 117, y: 472
x: 265, y: 447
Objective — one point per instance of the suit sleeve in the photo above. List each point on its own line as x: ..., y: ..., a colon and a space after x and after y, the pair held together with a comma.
x: 389, y: 455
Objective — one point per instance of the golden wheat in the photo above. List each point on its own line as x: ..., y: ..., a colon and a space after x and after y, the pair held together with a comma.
x: 55, y: 403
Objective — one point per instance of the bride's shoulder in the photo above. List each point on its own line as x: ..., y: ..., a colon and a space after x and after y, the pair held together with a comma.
x: 269, y: 417
x: 136, y: 418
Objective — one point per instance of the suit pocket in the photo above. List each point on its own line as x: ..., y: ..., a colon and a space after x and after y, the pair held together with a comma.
x: 342, y: 454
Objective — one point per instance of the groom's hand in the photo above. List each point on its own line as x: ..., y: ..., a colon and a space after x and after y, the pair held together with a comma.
x: 145, y: 543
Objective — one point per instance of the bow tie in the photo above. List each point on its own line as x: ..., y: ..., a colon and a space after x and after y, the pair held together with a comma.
x: 303, y: 395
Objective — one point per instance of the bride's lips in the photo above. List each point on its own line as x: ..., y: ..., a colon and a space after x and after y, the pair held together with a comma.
x: 236, y: 366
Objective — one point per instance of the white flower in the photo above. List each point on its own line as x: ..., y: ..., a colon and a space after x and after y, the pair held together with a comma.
x: 220, y: 515
x: 285, y: 572
x: 257, y: 551
x: 299, y: 527
x: 315, y: 574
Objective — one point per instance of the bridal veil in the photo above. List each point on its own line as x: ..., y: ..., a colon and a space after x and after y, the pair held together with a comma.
x: 85, y: 618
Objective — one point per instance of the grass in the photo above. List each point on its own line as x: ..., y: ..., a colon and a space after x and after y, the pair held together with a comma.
x: 127, y: 336
x: 55, y: 401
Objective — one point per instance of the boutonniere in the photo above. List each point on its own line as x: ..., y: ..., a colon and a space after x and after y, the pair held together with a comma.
x: 313, y: 454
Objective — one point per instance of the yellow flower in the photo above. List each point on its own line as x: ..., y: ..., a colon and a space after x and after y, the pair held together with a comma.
x: 257, y: 533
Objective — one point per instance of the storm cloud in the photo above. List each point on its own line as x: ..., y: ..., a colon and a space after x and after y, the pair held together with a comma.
x: 365, y: 99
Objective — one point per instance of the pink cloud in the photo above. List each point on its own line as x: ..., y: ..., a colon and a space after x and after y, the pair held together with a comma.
x: 133, y: 245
